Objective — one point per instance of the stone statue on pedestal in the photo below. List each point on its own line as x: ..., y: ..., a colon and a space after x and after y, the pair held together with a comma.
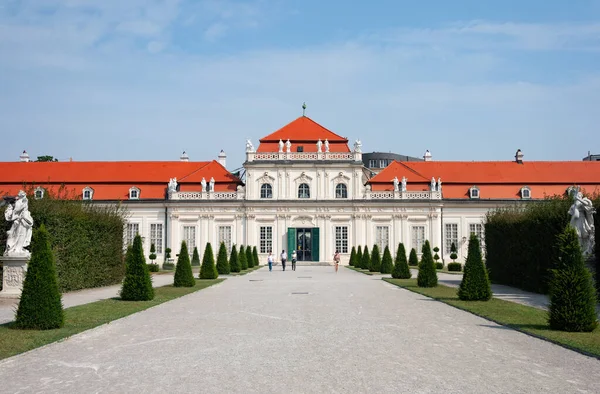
x: 396, y: 183
x: 203, y: 183
x: 212, y: 184
x: 172, y: 185
x: 19, y: 235
x: 249, y: 146
x: 432, y: 184
x: 288, y: 146
x: 357, y: 146
x: 404, y: 180
x: 439, y: 185
x: 582, y: 219
x: 280, y: 146
x: 326, y: 145
x: 319, y: 145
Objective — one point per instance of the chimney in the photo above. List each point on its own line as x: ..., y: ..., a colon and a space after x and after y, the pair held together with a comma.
x: 24, y: 156
x: 223, y: 159
x: 184, y: 157
x: 519, y: 156
x: 427, y: 156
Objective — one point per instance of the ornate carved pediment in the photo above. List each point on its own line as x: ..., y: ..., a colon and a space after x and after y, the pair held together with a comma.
x: 265, y: 178
x: 304, y: 220
x: 303, y: 178
x: 341, y: 177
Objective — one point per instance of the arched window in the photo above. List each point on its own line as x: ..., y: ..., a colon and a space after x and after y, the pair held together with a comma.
x: 39, y: 193
x: 134, y: 193
x: 303, y: 191
x: 474, y: 192
x: 525, y: 192
x: 88, y: 193
x: 341, y: 191
x: 266, y: 191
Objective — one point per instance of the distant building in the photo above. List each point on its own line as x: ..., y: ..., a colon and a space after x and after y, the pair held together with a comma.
x: 591, y: 157
x: 376, y: 161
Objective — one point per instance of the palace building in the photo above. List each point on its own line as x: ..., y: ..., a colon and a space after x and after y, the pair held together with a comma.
x: 306, y: 188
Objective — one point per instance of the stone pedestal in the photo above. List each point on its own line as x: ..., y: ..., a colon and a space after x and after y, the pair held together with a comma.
x: 14, y: 269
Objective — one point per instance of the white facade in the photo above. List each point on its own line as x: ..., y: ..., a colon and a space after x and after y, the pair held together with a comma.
x: 313, y: 202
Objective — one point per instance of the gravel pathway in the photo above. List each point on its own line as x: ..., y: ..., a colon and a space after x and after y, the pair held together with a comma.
x: 309, y: 331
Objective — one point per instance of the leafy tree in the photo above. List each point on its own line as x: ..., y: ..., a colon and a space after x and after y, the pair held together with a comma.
x: 183, y: 271
x: 401, y: 270
x: 167, y: 254
x: 208, y: 270
x: 572, y: 293
x: 427, y: 276
x: 249, y: 257
x: 222, y: 263
x: 359, y: 256
x: 46, y: 158
x: 387, y: 264
x: 436, y: 257
x: 352, y: 261
x: 366, y: 259
x: 40, y: 307
x: 195, y: 257
x: 234, y: 262
x: 413, y: 260
x: 242, y: 256
x: 137, y: 285
x: 475, y: 284
x: 152, y: 256
x: 375, y: 265
x: 255, y: 255
x: 453, y: 251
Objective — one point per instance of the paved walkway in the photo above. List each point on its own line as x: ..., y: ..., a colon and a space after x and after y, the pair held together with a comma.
x: 309, y: 331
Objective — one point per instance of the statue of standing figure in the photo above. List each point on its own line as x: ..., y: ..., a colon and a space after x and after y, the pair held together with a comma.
x: 326, y: 145
x: 172, y: 185
x: 249, y: 146
x: 19, y: 235
x: 280, y: 146
x: 288, y: 146
x: 319, y: 145
x: 396, y: 183
x: 582, y: 219
x: 432, y: 184
x: 439, y: 185
x: 404, y: 180
x: 357, y: 146
x: 203, y: 183
x: 212, y: 184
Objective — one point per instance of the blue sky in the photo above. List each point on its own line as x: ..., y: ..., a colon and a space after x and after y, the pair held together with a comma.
x: 145, y: 80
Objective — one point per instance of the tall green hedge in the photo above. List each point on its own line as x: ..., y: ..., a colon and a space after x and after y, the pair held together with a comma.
x: 208, y: 269
x: 366, y: 259
x: 86, y: 239
x: 359, y: 255
x: 520, y: 242
x: 255, y: 256
x: 427, y: 276
x: 183, y: 271
x: 352, y: 261
x: 249, y: 257
x: 375, y: 265
x: 137, y: 285
x: 387, y: 263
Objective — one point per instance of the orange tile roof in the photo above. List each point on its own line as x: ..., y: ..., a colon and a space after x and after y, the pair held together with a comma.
x: 112, y: 180
x: 495, y: 179
x: 306, y: 132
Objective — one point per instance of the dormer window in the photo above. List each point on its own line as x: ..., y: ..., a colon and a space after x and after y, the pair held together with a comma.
x: 134, y: 193
x: 39, y: 193
x: 88, y: 193
x: 525, y: 192
x: 474, y: 192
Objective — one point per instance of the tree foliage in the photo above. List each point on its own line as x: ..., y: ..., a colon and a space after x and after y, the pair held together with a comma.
x: 427, y: 276
x: 387, y: 264
x: 375, y: 265
x: 352, y: 261
x: 234, y: 261
x: 413, y: 260
x: 137, y: 285
x: 242, y: 256
x: 208, y: 270
x: 255, y: 255
x: 195, y: 257
x: 222, y: 262
x: 183, y: 271
x: 475, y: 284
x: 366, y: 259
x: 40, y: 306
x: 249, y: 257
x: 401, y: 270
x: 359, y: 255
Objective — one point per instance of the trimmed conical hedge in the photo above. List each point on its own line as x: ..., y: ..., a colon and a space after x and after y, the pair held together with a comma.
x: 375, y: 265
x: 255, y: 255
x: 242, y: 256
x: 413, y: 260
x: 249, y: 257
x: 234, y: 261
x: 222, y: 262
x: 359, y: 254
x: 40, y: 307
x: 401, y: 270
x: 183, y: 271
x: 352, y: 261
x: 137, y: 285
x: 208, y: 270
x: 427, y: 276
x: 195, y: 258
x: 572, y: 293
x: 387, y: 264
x: 366, y: 259
x: 475, y: 284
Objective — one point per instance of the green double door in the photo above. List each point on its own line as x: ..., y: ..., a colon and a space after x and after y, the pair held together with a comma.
x: 305, y: 241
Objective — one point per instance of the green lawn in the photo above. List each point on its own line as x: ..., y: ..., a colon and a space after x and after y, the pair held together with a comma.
x: 244, y: 272
x: 85, y: 317
x: 362, y: 271
x: 523, y: 318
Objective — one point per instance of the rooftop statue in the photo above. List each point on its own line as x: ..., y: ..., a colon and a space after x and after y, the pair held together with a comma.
x: 173, y: 185
x: 288, y: 146
x: 203, y: 183
x: 249, y: 146
x: 358, y: 146
x: 280, y: 146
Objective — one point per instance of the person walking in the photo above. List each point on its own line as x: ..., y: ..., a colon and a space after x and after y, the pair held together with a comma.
x: 294, y: 257
x: 270, y: 260
x: 336, y: 260
x: 283, y: 259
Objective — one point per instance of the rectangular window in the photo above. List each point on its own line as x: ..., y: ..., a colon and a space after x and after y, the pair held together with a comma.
x: 225, y: 237
x: 477, y: 229
x: 266, y: 239
x: 382, y: 237
x: 341, y: 239
x: 133, y: 229
x: 372, y: 163
x: 156, y: 236
x: 418, y: 238
x: 189, y: 236
x: 451, y: 236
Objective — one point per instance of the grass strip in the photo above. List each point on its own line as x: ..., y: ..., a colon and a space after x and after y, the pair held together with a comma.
x: 362, y: 271
x: 244, y: 272
x: 84, y: 317
x: 527, y: 319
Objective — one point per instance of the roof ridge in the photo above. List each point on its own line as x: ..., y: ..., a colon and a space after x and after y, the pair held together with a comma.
x: 195, y: 171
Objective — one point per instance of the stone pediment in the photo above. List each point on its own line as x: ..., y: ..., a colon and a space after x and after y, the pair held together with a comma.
x: 265, y: 178
x: 303, y: 178
x: 341, y: 177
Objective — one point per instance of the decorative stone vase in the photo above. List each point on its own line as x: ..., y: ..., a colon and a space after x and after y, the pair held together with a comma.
x: 14, y: 270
